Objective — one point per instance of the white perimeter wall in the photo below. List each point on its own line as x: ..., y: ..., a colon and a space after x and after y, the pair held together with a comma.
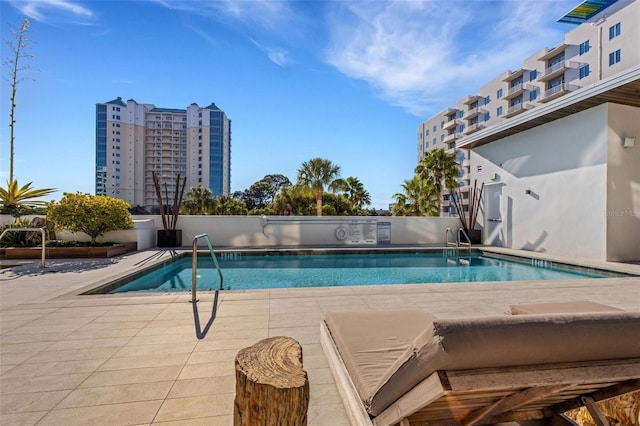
x: 564, y: 166
x: 623, y: 185
x: 247, y: 231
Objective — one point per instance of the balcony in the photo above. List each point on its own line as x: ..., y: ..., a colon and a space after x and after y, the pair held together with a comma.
x: 553, y: 52
x: 557, y: 91
x: 450, y: 112
x: 512, y: 75
x: 471, y: 99
x: 472, y: 128
x: 474, y: 112
x: 450, y: 138
x: 517, y: 109
x: 451, y: 124
x: 516, y: 91
x: 554, y: 71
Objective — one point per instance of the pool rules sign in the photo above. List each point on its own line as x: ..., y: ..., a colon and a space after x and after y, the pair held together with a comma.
x: 368, y: 232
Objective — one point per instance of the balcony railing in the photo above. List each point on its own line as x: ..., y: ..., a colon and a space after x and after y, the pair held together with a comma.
x: 554, y: 71
x: 472, y: 128
x: 474, y: 112
x: 450, y: 124
x: 450, y: 138
x: 517, y: 109
x: 557, y: 91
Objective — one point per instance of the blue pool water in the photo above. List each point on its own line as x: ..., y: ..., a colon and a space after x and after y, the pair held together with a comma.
x: 243, y: 272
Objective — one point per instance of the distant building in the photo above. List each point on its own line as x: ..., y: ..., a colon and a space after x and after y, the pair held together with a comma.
x: 603, y: 44
x: 133, y: 140
x: 555, y: 142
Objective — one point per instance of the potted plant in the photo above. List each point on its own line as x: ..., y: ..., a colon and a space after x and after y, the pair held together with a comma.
x: 468, y: 219
x: 169, y: 236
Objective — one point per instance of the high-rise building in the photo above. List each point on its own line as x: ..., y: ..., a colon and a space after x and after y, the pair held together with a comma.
x: 134, y: 140
x: 605, y: 43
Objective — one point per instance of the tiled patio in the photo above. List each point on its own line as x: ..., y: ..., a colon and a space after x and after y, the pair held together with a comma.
x: 136, y: 360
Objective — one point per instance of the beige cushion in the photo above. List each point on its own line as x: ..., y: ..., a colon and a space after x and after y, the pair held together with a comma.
x: 363, y: 338
x: 560, y: 307
x: 370, y: 342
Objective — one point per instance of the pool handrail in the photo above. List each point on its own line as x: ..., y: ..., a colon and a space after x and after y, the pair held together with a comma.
x: 194, y: 264
x: 42, y: 231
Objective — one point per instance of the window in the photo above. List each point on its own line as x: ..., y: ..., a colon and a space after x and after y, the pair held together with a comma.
x: 441, y: 124
x: 441, y: 138
x: 533, y: 95
x: 614, y: 57
x: 584, y: 47
x: 486, y: 116
x: 434, y: 141
x: 435, y: 128
x: 533, y: 75
x: 614, y: 31
x: 427, y: 133
x: 499, y: 94
x: 584, y: 71
x: 426, y: 145
x: 499, y: 111
x: 487, y: 100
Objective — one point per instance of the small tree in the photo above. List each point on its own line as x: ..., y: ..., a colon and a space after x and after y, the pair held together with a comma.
x: 92, y: 214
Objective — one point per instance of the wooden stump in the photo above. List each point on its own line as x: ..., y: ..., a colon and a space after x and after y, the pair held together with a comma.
x: 272, y: 388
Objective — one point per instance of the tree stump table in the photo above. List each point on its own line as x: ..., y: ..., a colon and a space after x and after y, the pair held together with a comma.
x: 272, y: 388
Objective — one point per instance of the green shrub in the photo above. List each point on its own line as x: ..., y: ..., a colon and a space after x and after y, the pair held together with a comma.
x: 92, y: 214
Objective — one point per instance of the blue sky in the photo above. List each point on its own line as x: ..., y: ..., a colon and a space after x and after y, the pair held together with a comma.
x: 349, y: 81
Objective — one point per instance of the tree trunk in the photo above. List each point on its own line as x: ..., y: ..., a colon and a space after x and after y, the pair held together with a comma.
x: 318, y: 202
x: 272, y: 388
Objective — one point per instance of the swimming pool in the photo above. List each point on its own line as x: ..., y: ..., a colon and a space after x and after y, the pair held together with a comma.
x: 244, y: 272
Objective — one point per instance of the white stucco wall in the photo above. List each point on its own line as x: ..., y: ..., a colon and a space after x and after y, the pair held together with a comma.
x: 563, y: 165
x: 623, y: 185
x: 253, y: 231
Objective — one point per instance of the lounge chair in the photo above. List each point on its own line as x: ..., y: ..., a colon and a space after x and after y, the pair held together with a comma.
x: 408, y: 367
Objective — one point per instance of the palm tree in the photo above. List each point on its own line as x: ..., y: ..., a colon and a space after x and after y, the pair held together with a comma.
x: 317, y: 174
x: 441, y: 168
x: 418, y: 198
x: 198, y: 200
x: 356, y: 193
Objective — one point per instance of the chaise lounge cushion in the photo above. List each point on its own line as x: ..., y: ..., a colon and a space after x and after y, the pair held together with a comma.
x: 467, y: 343
x: 560, y: 307
x: 372, y: 341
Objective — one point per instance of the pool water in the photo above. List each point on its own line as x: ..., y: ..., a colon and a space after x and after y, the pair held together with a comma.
x: 243, y: 272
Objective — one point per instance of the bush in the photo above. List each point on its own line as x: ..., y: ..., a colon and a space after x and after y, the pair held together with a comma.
x: 92, y: 214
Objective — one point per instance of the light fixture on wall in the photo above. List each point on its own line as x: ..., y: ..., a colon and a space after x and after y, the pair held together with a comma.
x: 629, y: 141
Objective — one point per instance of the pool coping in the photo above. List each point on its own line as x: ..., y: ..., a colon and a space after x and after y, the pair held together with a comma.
x: 581, y: 264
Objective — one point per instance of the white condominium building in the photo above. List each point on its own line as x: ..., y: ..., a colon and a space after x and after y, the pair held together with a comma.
x: 134, y: 140
x: 605, y: 43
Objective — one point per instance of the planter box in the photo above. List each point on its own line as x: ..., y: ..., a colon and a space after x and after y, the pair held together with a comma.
x: 169, y: 237
x: 66, y: 252
x: 475, y: 235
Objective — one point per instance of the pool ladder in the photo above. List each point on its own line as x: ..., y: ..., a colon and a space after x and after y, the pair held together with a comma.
x: 194, y: 264
x: 457, y: 241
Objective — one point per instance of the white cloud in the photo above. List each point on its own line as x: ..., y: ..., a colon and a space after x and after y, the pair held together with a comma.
x: 415, y: 53
x: 52, y: 10
x: 262, y: 20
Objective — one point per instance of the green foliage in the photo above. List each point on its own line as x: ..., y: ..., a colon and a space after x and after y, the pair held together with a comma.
x: 17, y: 200
x: 262, y: 193
x: 318, y: 173
x: 198, y: 200
x: 419, y: 198
x: 15, y: 239
x: 92, y: 214
x: 441, y: 169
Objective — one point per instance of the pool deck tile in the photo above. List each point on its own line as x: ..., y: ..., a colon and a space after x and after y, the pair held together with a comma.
x: 154, y: 359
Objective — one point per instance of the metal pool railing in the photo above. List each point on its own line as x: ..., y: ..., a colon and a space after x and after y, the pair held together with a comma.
x: 42, y: 230
x: 194, y: 264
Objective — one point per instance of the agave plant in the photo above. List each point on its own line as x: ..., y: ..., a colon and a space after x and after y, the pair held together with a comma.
x: 14, y: 197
